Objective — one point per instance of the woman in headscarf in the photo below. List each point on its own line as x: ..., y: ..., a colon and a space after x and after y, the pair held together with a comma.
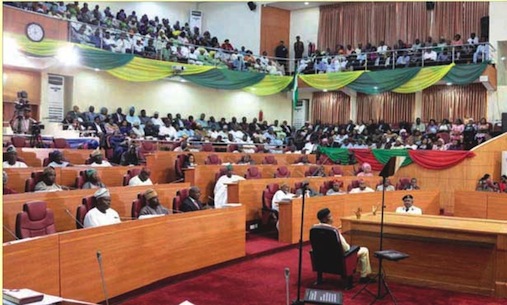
x: 366, y: 167
x: 92, y: 180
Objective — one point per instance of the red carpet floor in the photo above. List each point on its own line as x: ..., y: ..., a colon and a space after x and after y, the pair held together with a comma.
x: 260, y: 281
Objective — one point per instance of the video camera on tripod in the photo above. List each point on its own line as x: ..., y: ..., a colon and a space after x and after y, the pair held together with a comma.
x: 22, y: 104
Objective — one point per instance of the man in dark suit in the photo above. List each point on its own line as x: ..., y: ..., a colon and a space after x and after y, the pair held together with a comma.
x: 118, y: 117
x: 192, y: 203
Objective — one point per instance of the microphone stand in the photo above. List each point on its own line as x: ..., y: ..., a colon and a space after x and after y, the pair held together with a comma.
x: 299, y: 301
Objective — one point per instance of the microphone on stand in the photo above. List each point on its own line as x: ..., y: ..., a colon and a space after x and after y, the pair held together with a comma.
x: 287, y: 273
x: 11, y: 233
x: 74, y: 218
x: 177, y: 180
x: 103, y: 282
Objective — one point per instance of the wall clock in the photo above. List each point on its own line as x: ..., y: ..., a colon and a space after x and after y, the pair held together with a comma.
x: 34, y: 32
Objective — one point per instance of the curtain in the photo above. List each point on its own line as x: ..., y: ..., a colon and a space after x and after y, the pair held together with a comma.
x: 389, y: 106
x: 439, y: 160
x: 330, y: 107
x: 453, y: 102
x: 353, y: 23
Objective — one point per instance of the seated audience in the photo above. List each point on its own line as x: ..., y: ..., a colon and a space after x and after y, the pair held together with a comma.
x: 7, y: 190
x: 102, y: 214
x: 220, y: 190
x: 11, y: 154
x: 97, y: 159
x: 387, y: 186
x: 309, y: 191
x: 282, y: 194
x: 366, y: 167
x: 326, y: 219
x: 92, y: 180
x: 56, y: 160
x: 335, y: 190
x: 408, y: 206
x: 361, y: 189
x: 413, y: 185
x: 192, y: 202
x: 485, y: 184
x: 130, y: 157
x: 246, y: 160
x: 189, y: 161
x: 48, y: 182
x: 142, y: 179
x: 153, y: 206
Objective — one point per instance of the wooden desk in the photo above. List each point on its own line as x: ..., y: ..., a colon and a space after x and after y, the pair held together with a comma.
x: 203, y: 176
x: 249, y: 192
x: 345, y: 205
x: 475, y: 204
x: 134, y: 253
x: 63, y: 203
x: 459, y: 254
x: 75, y: 156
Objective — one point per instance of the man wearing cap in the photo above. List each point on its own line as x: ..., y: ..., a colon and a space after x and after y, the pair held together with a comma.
x: 408, y: 206
x: 156, y: 120
x: 142, y: 179
x: 48, y: 182
x: 192, y: 203
x: 11, y: 161
x: 92, y: 180
x: 362, y: 188
x: 153, y: 206
x: 97, y: 160
x: 363, y: 254
x: 282, y: 194
x: 221, y: 186
x: 387, y: 185
x: 56, y: 159
x: 101, y: 214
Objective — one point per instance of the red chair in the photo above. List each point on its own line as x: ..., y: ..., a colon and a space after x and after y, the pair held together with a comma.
x: 80, y: 180
x: 213, y: 160
x: 311, y: 171
x: 269, y: 160
x: 207, y: 147
x: 220, y: 173
x: 131, y: 173
x: 336, y: 171
x: 327, y: 254
x: 88, y: 203
x: 282, y: 172
x: 232, y: 147
x: 402, y: 183
x: 30, y: 183
x: 253, y: 173
x: 60, y: 143
x: 35, y: 220
x: 137, y: 205
x: 353, y: 184
x: 327, y: 185
x: 444, y: 136
x: 178, y: 166
x: 147, y: 147
x: 178, y: 199
x: 19, y: 141
x: 269, y: 216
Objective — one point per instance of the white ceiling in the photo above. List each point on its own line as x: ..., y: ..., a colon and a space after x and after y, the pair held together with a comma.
x: 292, y: 5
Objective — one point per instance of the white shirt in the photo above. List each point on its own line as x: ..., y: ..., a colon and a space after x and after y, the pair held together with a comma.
x: 280, y: 196
x: 54, y: 164
x: 6, y: 164
x: 358, y: 190
x: 103, y: 164
x: 412, y: 210
x: 221, y: 189
x: 135, y: 181
x: 95, y: 218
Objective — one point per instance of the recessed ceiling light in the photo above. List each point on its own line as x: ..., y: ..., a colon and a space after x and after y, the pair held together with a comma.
x: 375, y: 87
x: 306, y: 3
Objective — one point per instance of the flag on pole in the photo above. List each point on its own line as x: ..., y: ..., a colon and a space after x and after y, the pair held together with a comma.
x: 295, y: 90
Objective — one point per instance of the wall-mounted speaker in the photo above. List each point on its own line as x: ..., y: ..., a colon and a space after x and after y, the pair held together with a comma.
x: 251, y: 5
x: 430, y: 6
x: 485, y: 27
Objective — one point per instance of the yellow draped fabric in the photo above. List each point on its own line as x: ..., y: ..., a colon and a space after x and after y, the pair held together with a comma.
x: 146, y: 70
x: 45, y: 48
x: 271, y: 84
x: 424, y: 79
x: 331, y: 81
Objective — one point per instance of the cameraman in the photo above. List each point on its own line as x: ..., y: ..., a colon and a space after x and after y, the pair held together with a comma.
x: 23, y: 123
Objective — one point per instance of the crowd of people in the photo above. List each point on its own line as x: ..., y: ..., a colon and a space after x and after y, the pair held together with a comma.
x: 486, y: 184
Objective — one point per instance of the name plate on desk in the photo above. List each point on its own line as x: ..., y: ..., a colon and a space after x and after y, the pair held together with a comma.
x: 316, y: 296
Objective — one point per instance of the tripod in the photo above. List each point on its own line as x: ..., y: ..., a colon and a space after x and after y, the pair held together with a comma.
x: 298, y: 301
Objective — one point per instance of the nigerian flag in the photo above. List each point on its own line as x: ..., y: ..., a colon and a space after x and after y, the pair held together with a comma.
x: 295, y: 90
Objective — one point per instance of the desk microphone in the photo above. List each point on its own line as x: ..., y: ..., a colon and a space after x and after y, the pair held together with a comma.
x: 11, y: 233
x: 125, y: 218
x: 103, y: 282
x: 74, y: 218
x: 177, y: 180
x: 287, y: 273
x: 177, y: 211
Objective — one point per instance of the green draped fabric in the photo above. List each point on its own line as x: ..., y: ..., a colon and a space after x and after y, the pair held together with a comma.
x: 465, y: 74
x: 271, y: 84
x: 336, y: 154
x: 146, y: 70
x: 331, y: 81
x: 382, y: 81
x: 225, y: 79
x: 425, y: 78
x: 45, y: 48
x: 100, y: 59
x: 383, y: 155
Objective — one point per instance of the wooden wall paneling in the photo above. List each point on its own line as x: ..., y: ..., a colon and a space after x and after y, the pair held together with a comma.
x: 16, y: 20
x: 18, y: 176
x: 110, y: 176
x: 470, y: 204
x: 170, y: 245
x: 37, y: 257
x: 497, y: 206
x: 275, y: 26
x: 63, y: 203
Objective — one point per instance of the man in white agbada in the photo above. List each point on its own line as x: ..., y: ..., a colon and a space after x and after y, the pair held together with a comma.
x: 101, y: 214
x: 221, y: 187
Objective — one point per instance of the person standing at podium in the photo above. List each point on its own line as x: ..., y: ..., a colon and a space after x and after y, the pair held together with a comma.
x: 408, y: 206
x: 363, y: 254
x: 101, y: 214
